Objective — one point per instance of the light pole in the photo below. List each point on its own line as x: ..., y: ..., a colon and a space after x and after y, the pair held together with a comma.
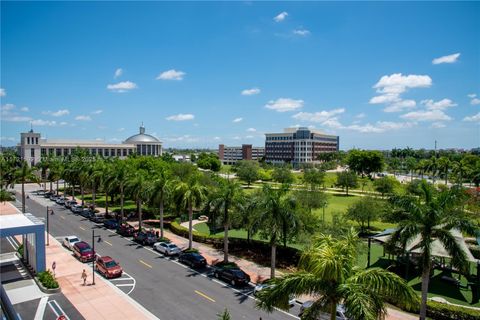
x: 94, y: 254
x: 49, y: 210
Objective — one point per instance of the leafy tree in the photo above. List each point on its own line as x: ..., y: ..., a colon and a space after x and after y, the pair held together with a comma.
x: 283, y: 175
x: 328, y: 272
x: 364, y: 211
x: 137, y: 186
x: 394, y: 164
x: 444, y: 165
x: 247, y: 171
x: 277, y: 216
x: 365, y: 162
x: 247, y: 214
x: 209, y: 161
x: 411, y: 165
x: 190, y: 193
x: 432, y: 216
x: 346, y: 180
x: 385, y: 185
x: 313, y: 178
x: 226, y: 198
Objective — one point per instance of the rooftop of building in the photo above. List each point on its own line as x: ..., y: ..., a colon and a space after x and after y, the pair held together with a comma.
x: 142, y: 137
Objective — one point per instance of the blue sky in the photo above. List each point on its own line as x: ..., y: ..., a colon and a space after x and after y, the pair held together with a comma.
x: 380, y: 75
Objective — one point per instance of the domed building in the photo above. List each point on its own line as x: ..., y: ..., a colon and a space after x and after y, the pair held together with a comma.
x: 33, y: 147
x: 146, y: 144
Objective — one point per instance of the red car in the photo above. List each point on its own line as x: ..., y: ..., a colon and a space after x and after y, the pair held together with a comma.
x: 108, y: 267
x: 83, y: 251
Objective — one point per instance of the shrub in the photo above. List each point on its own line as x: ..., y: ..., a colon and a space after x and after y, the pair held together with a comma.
x: 190, y: 250
x: 443, y: 311
x: 47, y: 280
x: 160, y: 239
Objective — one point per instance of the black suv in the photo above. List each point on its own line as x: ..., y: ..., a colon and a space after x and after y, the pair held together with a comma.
x: 231, y: 273
x: 193, y: 259
x: 145, y: 237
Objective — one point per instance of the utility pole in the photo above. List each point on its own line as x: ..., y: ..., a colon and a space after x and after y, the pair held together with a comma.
x: 94, y: 254
x: 48, y: 227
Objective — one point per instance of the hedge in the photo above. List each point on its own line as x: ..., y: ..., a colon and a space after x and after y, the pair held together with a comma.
x: 443, y: 311
x: 47, y: 280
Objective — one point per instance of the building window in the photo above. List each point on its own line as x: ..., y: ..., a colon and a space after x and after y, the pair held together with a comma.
x: 32, y: 153
x: 36, y: 140
x: 43, y: 151
x: 58, y: 152
x: 107, y: 153
x: 144, y: 149
x: 124, y: 152
x: 28, y: 140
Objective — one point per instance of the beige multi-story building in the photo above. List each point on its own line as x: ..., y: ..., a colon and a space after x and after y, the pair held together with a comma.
x: 230, y: 155
x: 33, y: 147
x: 298, y: 145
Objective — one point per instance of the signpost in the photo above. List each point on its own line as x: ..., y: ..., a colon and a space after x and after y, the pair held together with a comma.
x: 54, y: 265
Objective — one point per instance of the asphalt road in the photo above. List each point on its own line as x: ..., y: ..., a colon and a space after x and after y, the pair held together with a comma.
x: 163, y: 286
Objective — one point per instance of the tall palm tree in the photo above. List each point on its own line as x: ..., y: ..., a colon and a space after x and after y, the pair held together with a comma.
x: 460, y: 169
x: 108, y: 179
x: 121, y: 168
x: 444, y: 165
x: 190, y: 193
x: 422, y: 167
x: 328, y: 271
x: 432, y: 216
x: 160, y: 189
x: 25, y: 174
x: 98, y: 166
x: 137, y: 186
x: 248, y: 214
x: 411, y: 165
x: 225, y: 199
x: 277, y: 216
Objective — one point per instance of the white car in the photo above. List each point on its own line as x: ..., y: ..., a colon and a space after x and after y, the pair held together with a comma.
x: 69, y: 241
x: 340, y: 314
x: 166, y: 248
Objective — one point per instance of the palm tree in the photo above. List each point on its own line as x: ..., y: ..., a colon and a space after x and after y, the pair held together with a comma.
x: 422, y: 167
x: 460, y: 169
x: 225, y: 199
x: 108, y: 179
x: 121, y: 178
x: 432, y: 216
x: 277, y: 216
x: 190, y: 194
x: 327, y: 270
x: 411, y: 165
x: 137, y: 186
x: 96, y: 174
x: 444, y: 165
x: 248, y: 214
x: 160, y: 188
x: 23, y: 175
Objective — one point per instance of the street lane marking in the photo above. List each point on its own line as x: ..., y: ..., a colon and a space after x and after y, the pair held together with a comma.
x: 204, y: 295
x: 143, y: 262
x: 107, y: 242
x: 81, y: 227
x: 41, y: 308
x: 62, y: 217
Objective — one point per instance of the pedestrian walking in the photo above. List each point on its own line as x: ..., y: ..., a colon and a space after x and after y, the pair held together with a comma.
x: 84, y: 277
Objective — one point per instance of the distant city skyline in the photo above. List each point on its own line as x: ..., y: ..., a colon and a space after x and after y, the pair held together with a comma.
x: 378, y: 74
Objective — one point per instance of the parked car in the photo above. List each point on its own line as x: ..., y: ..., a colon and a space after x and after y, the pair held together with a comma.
x: 70, y: 203
x: 77, y: 208
x: 259, y: 287
x: 83, y: 251
x: 168, y: 249
x: 145, y: 237
x: 69, y: 241
x: 324, y: 315
x: 193, y: 259
x: 110, y: 224
x: 97, y: 217
x: 125, y: 230
x: 231, y: 274
x: 47, y: 194
x: 108, y: 267
x: 53, y: 197
x: 60, y: 200
x: 85, y: 213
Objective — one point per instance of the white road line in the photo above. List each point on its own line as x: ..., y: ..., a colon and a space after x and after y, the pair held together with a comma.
x: 55, y: 306
x: 41, y: 308
x: 123, y: 285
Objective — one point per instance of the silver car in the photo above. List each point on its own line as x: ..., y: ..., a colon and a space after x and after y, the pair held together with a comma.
x: 166, y: 248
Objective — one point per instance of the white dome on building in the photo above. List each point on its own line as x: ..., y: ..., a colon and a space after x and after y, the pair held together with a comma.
x: 142, y: 138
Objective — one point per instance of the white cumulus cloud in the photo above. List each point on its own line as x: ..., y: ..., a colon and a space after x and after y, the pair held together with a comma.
x: 475, y: 101
x: 181, y: 117
x: 3, y: 93
x: 400, y: 105
x: 301, y: 32
x: 250, y: 92
x: 118, y: 73
x: 42, y: 123
x: 452, y: 58
x: 83, y: 118
x: 428, y: 115
x: 171, y: 74
x: 59, y: 113
x: 398, y: 83
x: 123, y: 86
x: 251, y: 130
x: 474, y: 118
x: 24, y: 109
x: 284, y: 104
x: 319, y: 117
x: 380, y: 126
x: 438, y: 105
x: 97, y: 111
x: 472, y: 95
x: 281, y: 16
x: 437, y: 125
x: 236, y: 120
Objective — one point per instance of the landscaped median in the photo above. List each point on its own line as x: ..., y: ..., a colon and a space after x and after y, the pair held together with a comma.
x: 47, y: 282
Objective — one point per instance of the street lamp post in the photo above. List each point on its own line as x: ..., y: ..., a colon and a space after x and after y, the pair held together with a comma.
x: 48, y: 226
x: 94, y: 254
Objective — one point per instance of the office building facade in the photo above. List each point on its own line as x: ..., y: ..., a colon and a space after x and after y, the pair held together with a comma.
x: 298, y: 145
x: 230, y: 155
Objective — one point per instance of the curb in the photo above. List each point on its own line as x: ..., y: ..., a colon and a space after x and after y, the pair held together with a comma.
x: 45, y: 290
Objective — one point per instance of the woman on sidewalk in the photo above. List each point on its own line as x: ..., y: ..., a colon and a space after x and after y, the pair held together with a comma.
x: 84, y: 277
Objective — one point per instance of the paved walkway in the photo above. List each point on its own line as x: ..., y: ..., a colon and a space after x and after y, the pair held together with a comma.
x: 100, y: 301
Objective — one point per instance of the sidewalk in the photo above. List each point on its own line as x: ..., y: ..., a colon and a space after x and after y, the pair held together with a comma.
x: 99, y: 301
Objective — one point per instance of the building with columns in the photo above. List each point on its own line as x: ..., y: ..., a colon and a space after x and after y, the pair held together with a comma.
x: 33, y: 147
